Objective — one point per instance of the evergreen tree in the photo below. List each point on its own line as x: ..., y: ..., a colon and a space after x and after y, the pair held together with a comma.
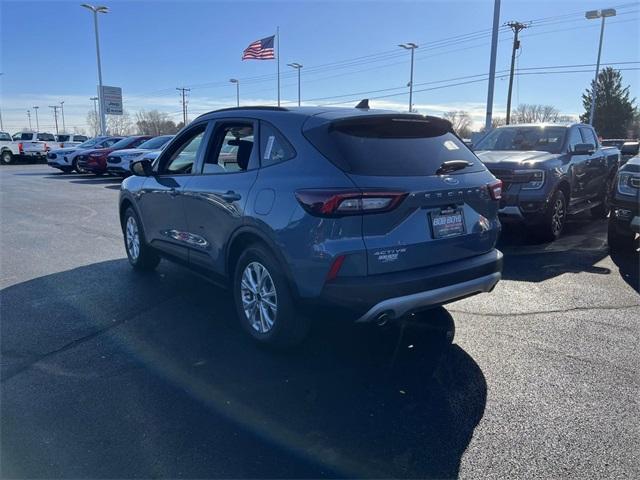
x: 614, y: 111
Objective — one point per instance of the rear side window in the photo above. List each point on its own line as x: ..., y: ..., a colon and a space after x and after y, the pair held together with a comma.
x: 274, y: 148
x: 391, y: 145
x: 79, y: 138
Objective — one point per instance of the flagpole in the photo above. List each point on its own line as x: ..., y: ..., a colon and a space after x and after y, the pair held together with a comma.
x: 278, y: 54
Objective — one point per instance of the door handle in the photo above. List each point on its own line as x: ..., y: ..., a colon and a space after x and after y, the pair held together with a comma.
x: 230, y: 196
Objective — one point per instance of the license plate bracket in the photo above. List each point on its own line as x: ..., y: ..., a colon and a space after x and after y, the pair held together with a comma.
x: 447, y: 223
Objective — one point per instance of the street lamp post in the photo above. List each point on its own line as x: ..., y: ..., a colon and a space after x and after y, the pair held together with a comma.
x: 96, y: 10
x: 412, y: 47
x: 298, y: 67
x: 29, y: 117
x: 36, y: 107
x: 237, y: 82
x: 64, y: 128
x: 1, y: 124
x: 592, y: 15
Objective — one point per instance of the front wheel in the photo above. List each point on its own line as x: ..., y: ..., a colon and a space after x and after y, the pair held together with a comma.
x: 141, y: 256
x: 554, y: 218
x: 7, y: 157
x: 263, y: 300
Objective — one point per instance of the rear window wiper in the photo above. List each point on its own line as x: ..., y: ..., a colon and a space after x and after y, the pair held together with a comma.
x: 452, y: 166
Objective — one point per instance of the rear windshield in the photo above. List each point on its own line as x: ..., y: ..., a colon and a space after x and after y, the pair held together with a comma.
x: 390, y: 145
x: 24, y: 136
x: 79, y: 138
x: 63, y: 138
x: 544, y: 139
x: 46, y: 137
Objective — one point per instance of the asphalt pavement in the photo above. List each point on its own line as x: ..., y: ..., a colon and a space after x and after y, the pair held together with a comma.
x: 110, y: 373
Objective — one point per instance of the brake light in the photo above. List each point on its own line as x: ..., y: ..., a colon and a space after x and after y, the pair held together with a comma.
x: 495, y: 189
x: 339, y: 202
x: 20, y: 148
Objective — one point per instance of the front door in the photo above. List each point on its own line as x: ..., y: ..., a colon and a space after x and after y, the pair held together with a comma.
x: 216, y: 198
x: 578, y: 164
x: 160, y: 201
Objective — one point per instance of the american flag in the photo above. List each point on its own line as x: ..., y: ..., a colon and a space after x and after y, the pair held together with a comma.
x: 260, y: 50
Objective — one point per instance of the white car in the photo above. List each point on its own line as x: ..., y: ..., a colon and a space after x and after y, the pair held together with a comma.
x: 34, y: 145
x: 65, y: 158
x: 8, y: 148
x: 118, y: 162
x: 66, y: 140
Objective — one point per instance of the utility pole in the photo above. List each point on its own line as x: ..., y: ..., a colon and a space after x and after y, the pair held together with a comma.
x: 64, y: 128
x: 184, y: 103
x: 492, y: 64
x: 95, y: 111
x: 29, y: 117
x: 36, y: 107
x: 298, y: 67
x: 592, y: 15
x: 516, y: 27
x: 55, y: 115
x: 237, y: 82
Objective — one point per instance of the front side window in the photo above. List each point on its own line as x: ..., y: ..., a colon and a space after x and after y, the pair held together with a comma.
x: 588, y: 136
x: 183, y: 156
x: 574, y: 138
x: 274, y: 148
x: 232, y: 147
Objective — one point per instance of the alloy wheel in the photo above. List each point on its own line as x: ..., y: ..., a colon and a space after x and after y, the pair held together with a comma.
x: 133, y: 238
x: 557, y: 218
x: 6, y: 158
x: 259, y: 297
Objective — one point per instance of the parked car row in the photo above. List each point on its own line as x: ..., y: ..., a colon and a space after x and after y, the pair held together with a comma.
x: 105, y: 154
x: 34, y: 145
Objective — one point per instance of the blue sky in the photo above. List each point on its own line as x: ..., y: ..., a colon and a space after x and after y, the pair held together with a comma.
x: 149, y: 48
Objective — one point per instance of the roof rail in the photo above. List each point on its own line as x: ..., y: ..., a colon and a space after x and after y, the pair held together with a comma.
x: 252, y: 107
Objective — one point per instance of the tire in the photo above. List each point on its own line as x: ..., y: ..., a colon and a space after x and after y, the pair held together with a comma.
x: 602, y: 210
x: 75, y: 166
x: 554, y: 218
x: 141, y: 256
x: 619, y: 243
x: 6, y: 157
x: 258, y: 278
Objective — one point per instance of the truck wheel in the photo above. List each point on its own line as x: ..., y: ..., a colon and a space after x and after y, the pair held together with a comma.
x: 264, y: 302
x: 74, y: 166
x: 7, y: 157
x: 619, y: 242
x: 141, y: 256
x: 602, y: 210
x: 554, y: 218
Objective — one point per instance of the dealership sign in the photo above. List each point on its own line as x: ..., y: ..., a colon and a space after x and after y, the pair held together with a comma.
x: 112, y: 100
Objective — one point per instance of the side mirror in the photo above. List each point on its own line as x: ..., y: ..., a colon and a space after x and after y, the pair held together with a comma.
x: 142, y: 168
x: 584, y: 149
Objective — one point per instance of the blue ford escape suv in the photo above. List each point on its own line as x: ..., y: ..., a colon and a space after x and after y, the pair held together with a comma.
x: 374, y: 213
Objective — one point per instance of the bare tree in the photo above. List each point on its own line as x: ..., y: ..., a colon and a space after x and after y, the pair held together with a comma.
x: 535, y: 113
x: 461, y: 122
x: 498, y: 121
x: 93, y: 122
x: 119, y: 124
x: 154, y: 122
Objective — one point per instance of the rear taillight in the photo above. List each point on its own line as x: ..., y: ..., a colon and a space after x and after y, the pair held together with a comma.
x: 46, y: 147
x: 338, y: 203
x: 20, y: 148
x: 335, y: 267
x: 62, y: 145
x: 495, y: 189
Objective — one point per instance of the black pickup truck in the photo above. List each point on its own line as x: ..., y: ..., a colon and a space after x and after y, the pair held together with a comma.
x: 549, y: 171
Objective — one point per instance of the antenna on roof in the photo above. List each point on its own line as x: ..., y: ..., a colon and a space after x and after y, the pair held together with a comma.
x: 364, y: 104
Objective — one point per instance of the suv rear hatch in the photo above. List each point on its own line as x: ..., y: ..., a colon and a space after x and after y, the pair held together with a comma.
x: 447, y: 211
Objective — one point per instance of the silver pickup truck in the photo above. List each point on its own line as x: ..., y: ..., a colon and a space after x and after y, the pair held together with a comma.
x: 34, y: 145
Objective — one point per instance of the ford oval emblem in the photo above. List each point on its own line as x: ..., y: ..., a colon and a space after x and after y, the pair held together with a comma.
x: 451, y: 181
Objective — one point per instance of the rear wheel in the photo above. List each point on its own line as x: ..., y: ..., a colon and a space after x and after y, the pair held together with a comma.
x: 6, y: 157
x: 75, y: 166
x: 602, y: 210
x: 141, y: 256
x: 263, y: 300
x: 554, y: 218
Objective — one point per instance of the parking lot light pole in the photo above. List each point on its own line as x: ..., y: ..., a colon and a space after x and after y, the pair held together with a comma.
x: 64, y: 128
x: 592, y: 15
x: 36, y: 107
x: 1, y: 125
x: 95, y: 109
x: 298, y: 67
x: 237, y: 82
x: 29, y: 117
x: 412, y: 47
x: 96, y: 10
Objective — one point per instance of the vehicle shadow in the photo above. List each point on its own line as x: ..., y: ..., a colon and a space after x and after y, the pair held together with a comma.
x: 582, y: 245
x: 629, y: 267
x: 363, y: 401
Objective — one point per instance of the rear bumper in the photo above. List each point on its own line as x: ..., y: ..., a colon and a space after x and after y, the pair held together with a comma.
x: 401, y: 293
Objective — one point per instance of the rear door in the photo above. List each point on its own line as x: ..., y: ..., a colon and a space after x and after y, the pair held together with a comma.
x: 596, y: 165
x: 215, y: 198
x: 443, y: 217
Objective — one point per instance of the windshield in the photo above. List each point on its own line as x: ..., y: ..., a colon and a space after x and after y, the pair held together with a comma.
x: 155, y: 143
x: 128, y: 142
x: 89, y: 143
x: 5, y: 136
x: 543, y: 139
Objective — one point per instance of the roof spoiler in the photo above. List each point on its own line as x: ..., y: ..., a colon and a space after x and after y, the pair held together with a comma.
x: 363, y: 104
